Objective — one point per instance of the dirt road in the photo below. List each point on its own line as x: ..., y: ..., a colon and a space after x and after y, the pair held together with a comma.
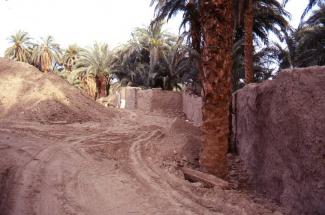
x: 96, y: 168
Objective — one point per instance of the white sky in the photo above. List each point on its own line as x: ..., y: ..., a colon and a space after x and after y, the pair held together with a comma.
x: 86, y: 21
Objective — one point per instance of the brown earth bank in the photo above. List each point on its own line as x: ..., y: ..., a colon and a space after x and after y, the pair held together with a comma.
x: 62, y: 153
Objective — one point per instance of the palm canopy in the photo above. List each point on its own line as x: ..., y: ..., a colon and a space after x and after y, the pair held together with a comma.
x: 131, y: 63
x: 92, y: 69
x: 310, y: 6
x: 20, y: 50
x: 269, y: 16
x: 153, y: 58
x: 153, y: 37
x: 155, y: 41
x: 70, y: 56
x: 180, y: 62
x: 166, y: 9
x: 310, y: 40
x: 305, y: 45
x: 46, y: 54
x: 94, y: 62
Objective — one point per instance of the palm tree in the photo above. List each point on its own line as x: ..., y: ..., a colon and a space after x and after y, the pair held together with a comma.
x: 166, y: 9
x: 155, y: 42
x: 249, y: 49
x: 310, y: 6
x: 46, y: 54
x: 20, y: 50
x: 130, y: 64
x: 305, y: 46
x: 92, y: 69
x: 191, y: 24
x: 259, y: 17
x: 268, y: 16
x: 217, y: 26
x: 311, y: 39
x: 70, y: 57
x: 177, y: 61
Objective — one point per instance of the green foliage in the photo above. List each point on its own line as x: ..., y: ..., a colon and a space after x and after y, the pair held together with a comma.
x: 190, y: 10
x: 46, y: 54
x: 153, y: 58
x: 94, y: 61
x: 306, y: 45
x: 309, y: 7
x: 70, y: 57
x: 21, y: 47
x: 269, y: 16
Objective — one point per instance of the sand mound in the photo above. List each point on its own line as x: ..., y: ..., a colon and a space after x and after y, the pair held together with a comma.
x: 28, y: 94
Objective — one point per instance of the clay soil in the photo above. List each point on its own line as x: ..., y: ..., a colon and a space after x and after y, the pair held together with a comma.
x: 62, y: 153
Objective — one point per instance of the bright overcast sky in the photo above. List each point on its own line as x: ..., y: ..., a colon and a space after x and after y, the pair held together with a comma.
x: 85, y: 21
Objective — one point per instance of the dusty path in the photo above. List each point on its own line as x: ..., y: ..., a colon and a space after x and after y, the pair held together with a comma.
x: 96, y: 168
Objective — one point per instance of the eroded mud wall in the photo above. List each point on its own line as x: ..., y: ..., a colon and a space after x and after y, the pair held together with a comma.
x: 280, y: 134
x: 192, y: 107
x: 153, y: 101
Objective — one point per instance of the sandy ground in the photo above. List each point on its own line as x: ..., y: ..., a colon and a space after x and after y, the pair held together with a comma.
x: 61, y: 153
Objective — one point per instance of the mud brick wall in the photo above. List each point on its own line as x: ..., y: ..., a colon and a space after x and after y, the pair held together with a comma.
x: 192, y: 107
x: 280, y: 133
x: 153, y: 101
x: 162, y: 102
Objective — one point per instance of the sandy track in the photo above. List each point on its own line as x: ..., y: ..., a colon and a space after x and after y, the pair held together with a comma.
x: 97, y: 168
x: 65, y: 170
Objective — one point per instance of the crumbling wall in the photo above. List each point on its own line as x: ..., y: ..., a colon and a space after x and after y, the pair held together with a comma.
x: 131, y: 97
x: 152, y: 100
x: 280, y: 134
x: 144, y: 98
x: 192, y: 107
x: 161, y: 102
x: 167, y: 102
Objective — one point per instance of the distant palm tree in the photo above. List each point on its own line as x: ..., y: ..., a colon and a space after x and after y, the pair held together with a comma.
x: 177, y: 61
x: 306, y: 45
x: 191, y: 24
x: 256, y: 19
x: 156, y: 42
x: 70, y: 57
x: 166, y: 9
x: 92, y: 68
x: 21, y: 48
x: 46, y: 54
x: 130, y: 63
x: 268, y: 16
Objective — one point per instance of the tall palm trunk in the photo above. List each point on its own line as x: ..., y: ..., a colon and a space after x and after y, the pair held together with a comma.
x: 249, y: 49
x: 46, y: 62
x: 195, y: 30
x: 217, y: 26
x: 154, y: 57
x: 196, y: 38
x: 101, y: 84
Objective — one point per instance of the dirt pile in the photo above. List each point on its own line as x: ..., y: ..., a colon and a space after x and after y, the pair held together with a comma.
x: 28, y: 94
x: 280, y: 128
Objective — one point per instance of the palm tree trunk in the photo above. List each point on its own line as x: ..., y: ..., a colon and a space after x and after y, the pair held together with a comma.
x: 216, y: 82
x: 154, y: 57
x: 195, y: 30
x: 101, y: 84
x: 196, y: 40
x: 248, y: 25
